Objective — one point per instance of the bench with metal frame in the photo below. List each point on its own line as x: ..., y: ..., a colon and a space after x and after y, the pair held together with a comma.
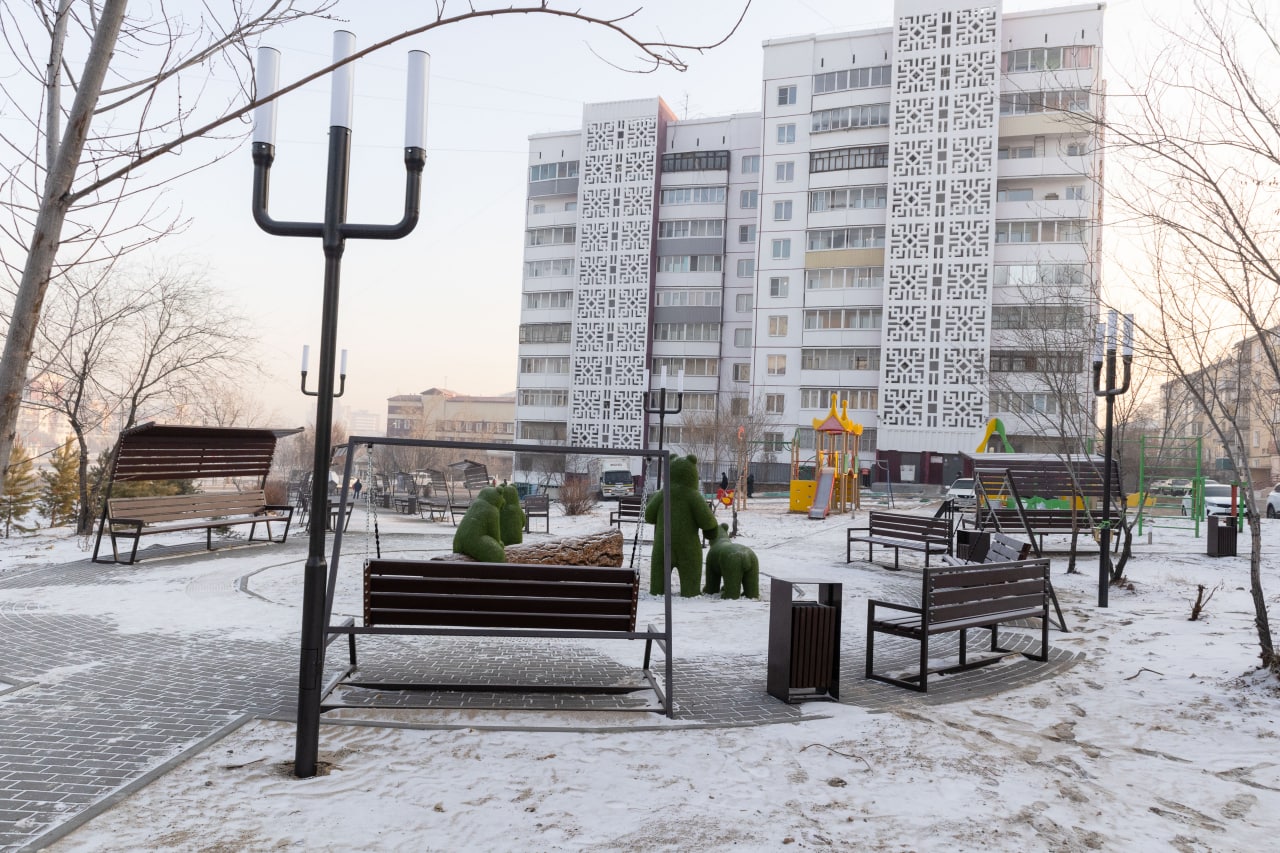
x: 536, y: 506
x: 132, y: 518
x: 630, y: 511
x: 931, y: 535
x: 958, y: 598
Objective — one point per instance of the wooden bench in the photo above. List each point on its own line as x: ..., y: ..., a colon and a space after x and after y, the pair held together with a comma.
x: 133, y: 518
x: 444, y: 598
x: 932, y: 535
x: 630, y: 511
x: 957, y: 598
x: 536, y: 506
x: 1041, y: 521
x: 1000, y: 549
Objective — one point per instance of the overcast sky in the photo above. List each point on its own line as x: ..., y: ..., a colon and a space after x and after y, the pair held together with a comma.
x: 441, y: 307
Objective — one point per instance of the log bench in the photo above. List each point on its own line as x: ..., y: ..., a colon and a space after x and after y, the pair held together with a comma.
x: 133, y: 518
x: 630, y: 511
x: 536, y: 506
x: 957, y: 598
x: 931, y: 535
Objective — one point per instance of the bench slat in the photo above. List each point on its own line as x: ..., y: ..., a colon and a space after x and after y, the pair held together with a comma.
x: 980, y: 574
x: 1003, y: 590
x: 437, y: 602
x: 498, y: 571
x: 995, y: 607
x: 488, y: 586
x: 454, y: 619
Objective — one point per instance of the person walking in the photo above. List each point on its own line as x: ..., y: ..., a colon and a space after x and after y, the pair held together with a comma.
x: 724, y: 481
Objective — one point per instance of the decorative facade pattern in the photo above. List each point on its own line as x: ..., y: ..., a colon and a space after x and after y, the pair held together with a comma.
x: 614, y: 276
x: 938, y: 265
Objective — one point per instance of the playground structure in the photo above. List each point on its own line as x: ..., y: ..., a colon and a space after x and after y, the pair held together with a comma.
x: 835, y: 485
x: 994, y: 426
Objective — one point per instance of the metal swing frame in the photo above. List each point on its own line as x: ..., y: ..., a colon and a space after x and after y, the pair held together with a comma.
x: 663, y: 687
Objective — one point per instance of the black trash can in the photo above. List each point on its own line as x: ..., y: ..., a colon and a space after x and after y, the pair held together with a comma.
x: 804, y: 642
x: 972, y: 545
x: 1221, y: 536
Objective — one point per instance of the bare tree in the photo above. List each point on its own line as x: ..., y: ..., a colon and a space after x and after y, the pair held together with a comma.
x: 85, y: 183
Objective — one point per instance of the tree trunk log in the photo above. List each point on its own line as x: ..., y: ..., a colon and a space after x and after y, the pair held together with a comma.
x: 594, y: 549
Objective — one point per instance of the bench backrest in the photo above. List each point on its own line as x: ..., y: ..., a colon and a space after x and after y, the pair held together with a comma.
x: 917, y: 527
x: 630, y: 507
x: 536, y: 504
x: 154, y: 509
x: 1057, y: 518
x: 1001, y: 548
x: 499, y: 595
x: 972, y: 594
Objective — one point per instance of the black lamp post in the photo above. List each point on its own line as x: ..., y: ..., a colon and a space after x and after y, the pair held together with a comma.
x: 661, y: 409
x: 1104, y: 350
x: 333, y: 232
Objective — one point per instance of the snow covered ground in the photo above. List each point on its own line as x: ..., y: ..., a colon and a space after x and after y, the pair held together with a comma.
x: 1163, y: 737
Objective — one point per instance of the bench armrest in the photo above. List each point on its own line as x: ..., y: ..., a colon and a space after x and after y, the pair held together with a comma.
x: 873, y: 603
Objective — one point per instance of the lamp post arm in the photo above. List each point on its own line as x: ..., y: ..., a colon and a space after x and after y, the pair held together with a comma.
x: 414, y: 161
x: 263, y: 155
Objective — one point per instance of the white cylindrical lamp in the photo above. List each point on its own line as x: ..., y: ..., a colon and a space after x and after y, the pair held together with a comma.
x: 342, y: 80
x: 266, y: 80
x: 415, y: 107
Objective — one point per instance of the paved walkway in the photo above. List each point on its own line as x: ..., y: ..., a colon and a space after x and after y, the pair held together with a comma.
x: 86, y: 710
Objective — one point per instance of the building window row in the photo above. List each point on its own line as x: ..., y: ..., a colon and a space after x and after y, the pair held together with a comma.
x: 843, y: 118
x: 1046, y: 58
x: 1024, y: 402
x: 857, y: 157
x: 691, y: 228
x: 1055, y: 100
x: 864, y: 237
x: 484, y: 427
x: 543, y: 431
x: 693, y: 195
x: 544, y: 364
x: 1020, y: 361
x: 698, y: 401
x: 551, y: 171
x: 695, y: 161
x: 840, y: 358
x: 540, y: 299
x: 1038, y: 317
x: 545, y: 333
x: 555, y: 236
x: 1018, y: 275
x: 842, y: 318
x: 692, y: 298
x: 686, y: 331
x: 550, y: 266
x: 1041, y: 231
x: 690, y: 366
x: 690, y: 263
x: 852, y: 78
x: 855, y: 398
x: 841, y: 278
x: 544, y: 397
x: 849, y: 198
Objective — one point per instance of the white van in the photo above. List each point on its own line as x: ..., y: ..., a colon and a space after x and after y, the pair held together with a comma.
x: 615, y: 477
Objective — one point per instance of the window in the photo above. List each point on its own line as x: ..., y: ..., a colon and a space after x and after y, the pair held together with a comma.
x: 550, y: 236
x: 843, y: 118
x: 781, y: 211
x: 1038, y: 317
x: 742, y: 338
x: 742, y: 303
x: 856, y: 398
x: 742, y: 372
x: 775, y: 404
x: 1018, y: 275
x: 696, y: 402
x: 746, y: 233
x: 544, y: 333
x: 551, y: 171
x: 779, y: 285
x: 543, y: 430
x: 686, y: 331
x: 840, y: 358
x: 778, y: 325
x: 693, y: 195
x: 785, y: 171
x: 1046, y: 58
x: 747, y: 268
x: 1016, y: 152
x: 786, y: 134
x: 786, y: 95
x: 1077, y: 149
x: 865, y: 237
x: 570, y: 206
x: 1056, y: 100
x: 842, y: 318
x: 544, y: 364
x: 1074, y: 194
x: 861, y: 157
x: 749, y: 199
x: 854, y: 78
x: 849, y: 198
x: 695, y: 161
x: 690, y: 366
x: 1023, y: 402
x: 668, y: 228
x: 738, y: 406
x: 750, y: 164
x: 1040, y: 361
x: 782, y: 248
x: 692, y: 298
x: 776, y: 365
x: 544, y: 397
x: 538, y: 208
x: 549, y: 299
x: 690, y: 263
x: 1020, y: 194
x: 774, y: 442
x: 551, y: 266
x: 839, y: 278
x: 1036, y: 231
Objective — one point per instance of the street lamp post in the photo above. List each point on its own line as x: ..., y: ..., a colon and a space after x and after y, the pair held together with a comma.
x: 661, y: 409
x: 333, y: 233
x: 1104, y: 351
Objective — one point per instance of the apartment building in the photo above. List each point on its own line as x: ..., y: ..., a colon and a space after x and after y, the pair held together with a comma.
x: 444, y: 415
x: 910, y: 223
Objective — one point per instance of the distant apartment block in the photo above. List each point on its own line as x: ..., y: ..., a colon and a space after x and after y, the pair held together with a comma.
x: 444, y: 415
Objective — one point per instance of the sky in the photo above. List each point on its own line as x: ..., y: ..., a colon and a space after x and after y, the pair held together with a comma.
x: 440, y: 308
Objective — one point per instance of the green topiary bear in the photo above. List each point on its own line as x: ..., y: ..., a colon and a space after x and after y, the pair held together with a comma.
x: 479, y: 533
x: 736, y: 564
x: 689, y: 514
x: 512, y: 517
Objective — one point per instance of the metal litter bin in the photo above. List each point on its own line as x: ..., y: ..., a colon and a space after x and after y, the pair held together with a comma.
x: 1221, y: 536
x: 804, y: 642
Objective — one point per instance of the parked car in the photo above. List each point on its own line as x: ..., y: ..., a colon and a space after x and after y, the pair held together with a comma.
x: 1217, y: 500
x: 1273, y: 503
x: 961, y: 492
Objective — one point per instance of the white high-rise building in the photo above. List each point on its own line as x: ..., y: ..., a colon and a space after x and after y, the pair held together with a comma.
x: 911, y: 225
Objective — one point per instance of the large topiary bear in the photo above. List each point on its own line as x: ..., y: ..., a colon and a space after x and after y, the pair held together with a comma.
x: 479, y: 533
x: 736, y: 564
x: 689, y: 515
x: 512, y: 517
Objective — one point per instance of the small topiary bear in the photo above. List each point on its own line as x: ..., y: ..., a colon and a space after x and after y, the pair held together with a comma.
x: 736, y: 564
x: 512, y: 517
x: 689, y: 514
x: 479, y: 533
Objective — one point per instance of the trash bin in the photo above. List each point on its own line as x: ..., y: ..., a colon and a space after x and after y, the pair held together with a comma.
x: 804, y: 642
x: 1221, y: 536
x: 972, y: 545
